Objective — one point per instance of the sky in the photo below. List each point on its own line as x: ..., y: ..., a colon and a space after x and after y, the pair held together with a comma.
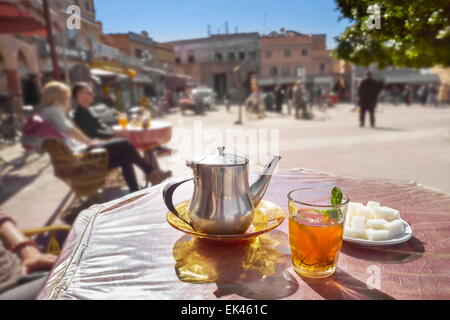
x: 169, y: 20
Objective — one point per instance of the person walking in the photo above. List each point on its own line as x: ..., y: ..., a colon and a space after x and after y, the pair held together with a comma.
x: 279, y: 95
x: 227, y: 100
x: 423, y: 94
x: 432, y: 95
x: 288, y: 98
x: 408, y: 94
x: 298, y: 100
x: 368, y: 95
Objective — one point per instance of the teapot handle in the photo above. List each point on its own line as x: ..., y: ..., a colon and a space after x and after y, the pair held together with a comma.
x: 168, y: 191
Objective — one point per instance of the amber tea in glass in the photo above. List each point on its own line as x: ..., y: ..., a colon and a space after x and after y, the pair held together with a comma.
x: 123, y: 120
x: 316, y: 229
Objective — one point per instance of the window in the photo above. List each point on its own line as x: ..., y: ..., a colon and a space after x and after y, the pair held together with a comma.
x: 273, y: 71
x: 252, y: 55
x: 138, y: 53
x: 177, y: 60
x: 300, y: 72
x: 268, y: 54
x: 218, y: 56
x: 304, y: 52
x: 191, y: 57
x: 287, y: 53
x: 87, y: 6
x: 231, y: 56
x: 285, y: 71
x: 242, y: 55
x: 322, y: 67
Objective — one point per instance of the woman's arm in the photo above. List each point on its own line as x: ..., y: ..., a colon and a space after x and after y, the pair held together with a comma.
x: 76, y: 134
x: 32, y: 259
x: 57, y: 118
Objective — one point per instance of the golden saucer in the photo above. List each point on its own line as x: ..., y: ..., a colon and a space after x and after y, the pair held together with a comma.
x: 267, y: 217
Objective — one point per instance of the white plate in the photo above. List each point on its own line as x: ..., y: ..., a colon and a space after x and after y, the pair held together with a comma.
x: 396, y: 240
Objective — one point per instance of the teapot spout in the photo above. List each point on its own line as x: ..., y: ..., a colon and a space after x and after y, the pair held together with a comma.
x: 259, y: 187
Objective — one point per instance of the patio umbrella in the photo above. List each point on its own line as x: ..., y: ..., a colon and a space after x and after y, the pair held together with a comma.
x: 21, y: 18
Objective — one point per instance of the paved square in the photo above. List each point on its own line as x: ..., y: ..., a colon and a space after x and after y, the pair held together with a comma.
x: 409, y: 144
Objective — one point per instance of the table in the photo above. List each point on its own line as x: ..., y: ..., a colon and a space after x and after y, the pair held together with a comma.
x: 157, y: 134
x: 125, y: 249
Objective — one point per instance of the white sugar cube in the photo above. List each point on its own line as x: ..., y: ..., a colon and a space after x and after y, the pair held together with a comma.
x: 376, y: 223
x: 395, y: 214
x: 377, y: 235
x: 358, y: 225
x: 386, y: 213
x: 395, y: 228
x: 372, y: 204
x: 365, y: 212
x: 352, y: 208
x: 348, y: 232
x: 351, y: 233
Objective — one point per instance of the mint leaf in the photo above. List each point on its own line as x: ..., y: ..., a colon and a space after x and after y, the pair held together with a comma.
x: 336, y: 200
x: 336, y: 196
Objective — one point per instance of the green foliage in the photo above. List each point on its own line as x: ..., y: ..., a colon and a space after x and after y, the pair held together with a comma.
x: 413, y: 33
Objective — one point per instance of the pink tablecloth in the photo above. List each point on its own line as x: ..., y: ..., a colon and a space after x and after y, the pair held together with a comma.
x: 126, y: 250
x: 158, y: 134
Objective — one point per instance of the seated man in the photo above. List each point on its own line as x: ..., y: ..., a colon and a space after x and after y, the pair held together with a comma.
x: 20, y: 262
x: 83, y: 117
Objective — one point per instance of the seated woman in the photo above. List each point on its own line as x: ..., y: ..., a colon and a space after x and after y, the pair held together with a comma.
x: 23, y: 268
x: 55, y: 103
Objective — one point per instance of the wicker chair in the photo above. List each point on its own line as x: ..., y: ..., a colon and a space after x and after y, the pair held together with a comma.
x: 85, y: 173
x: 50, y: 239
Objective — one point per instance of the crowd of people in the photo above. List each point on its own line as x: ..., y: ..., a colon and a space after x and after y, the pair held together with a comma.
x: 297, y: 98
x: 430, y: 95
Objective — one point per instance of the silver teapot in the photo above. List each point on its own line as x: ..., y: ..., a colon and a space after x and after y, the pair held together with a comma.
x: 222, y: 202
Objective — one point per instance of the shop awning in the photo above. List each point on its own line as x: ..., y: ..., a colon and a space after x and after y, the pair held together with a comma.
x: 105, y: 73
x: 323, y: 80
x: 23, y: 18
x: 415, y: 78
x: 142, y: 78
x: 155, y: 70
x: 276, y: 81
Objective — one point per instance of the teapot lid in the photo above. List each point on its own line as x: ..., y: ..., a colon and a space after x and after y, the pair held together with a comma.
x: 222, y: 159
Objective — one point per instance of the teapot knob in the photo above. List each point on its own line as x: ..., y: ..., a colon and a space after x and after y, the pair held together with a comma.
x: 221, y: 151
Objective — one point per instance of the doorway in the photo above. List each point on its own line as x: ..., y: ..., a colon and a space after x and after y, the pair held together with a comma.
x: 220, y: 85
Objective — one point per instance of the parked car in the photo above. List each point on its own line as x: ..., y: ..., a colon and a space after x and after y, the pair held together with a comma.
x: 204, y: 96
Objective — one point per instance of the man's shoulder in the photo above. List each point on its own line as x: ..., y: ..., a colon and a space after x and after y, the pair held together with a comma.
x: 81, y: 111
x: 82, y: 114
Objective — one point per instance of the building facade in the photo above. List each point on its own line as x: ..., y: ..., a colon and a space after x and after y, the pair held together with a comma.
x: 154, y: 61
x: 212, y: 61
x: 19, y: 58
x: 288, y: 56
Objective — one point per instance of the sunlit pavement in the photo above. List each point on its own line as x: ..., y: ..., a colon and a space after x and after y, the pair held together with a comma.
x: 409, y: 144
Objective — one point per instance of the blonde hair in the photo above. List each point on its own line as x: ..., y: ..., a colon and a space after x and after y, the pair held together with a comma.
x: 55, y: 94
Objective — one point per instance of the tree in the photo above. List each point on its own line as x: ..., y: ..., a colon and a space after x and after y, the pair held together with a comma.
x: 411, y: 33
